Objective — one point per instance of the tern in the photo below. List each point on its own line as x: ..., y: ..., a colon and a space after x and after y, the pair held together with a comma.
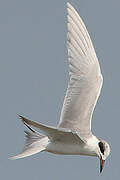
x: 73, y: 134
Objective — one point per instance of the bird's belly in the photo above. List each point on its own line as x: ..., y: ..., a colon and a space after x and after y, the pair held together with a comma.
x: 70, y: 149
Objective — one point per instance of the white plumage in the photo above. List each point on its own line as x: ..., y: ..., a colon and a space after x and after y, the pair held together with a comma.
x: 85, y: 76
x: 73, y: 134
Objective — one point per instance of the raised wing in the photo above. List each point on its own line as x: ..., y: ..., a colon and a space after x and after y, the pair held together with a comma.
x: 85, y: 76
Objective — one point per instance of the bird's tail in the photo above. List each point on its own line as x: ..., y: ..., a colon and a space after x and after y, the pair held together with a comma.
x: 35, y: 142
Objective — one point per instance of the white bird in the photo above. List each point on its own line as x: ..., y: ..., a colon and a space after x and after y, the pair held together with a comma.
x: 73, y: 134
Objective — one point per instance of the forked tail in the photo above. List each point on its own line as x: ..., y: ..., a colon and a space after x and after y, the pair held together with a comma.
x: 35, y: 142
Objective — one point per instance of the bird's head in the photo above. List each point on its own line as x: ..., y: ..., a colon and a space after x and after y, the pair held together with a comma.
x: 103, y: 152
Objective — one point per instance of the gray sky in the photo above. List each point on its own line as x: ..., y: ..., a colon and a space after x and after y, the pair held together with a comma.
x: 33, y: 81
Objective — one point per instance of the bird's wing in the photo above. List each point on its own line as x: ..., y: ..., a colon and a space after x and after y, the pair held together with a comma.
x: 85, y: 76
x: 53, y: 133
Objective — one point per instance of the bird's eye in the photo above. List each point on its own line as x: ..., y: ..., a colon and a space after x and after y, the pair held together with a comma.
x: 102, y: 147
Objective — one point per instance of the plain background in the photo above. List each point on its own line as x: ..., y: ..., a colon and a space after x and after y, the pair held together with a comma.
x: 33, y: 82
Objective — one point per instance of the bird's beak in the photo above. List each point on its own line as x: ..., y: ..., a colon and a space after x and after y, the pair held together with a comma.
x: 101, y: 164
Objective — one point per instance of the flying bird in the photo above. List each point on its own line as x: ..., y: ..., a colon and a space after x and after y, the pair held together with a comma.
x: 73, y: 134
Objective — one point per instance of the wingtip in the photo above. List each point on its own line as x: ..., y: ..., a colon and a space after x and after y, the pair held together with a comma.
x: 12, y: 158
x: 21, y: 118
x: 70, y: 8
x: 69, y: 5
x: 19, y: 156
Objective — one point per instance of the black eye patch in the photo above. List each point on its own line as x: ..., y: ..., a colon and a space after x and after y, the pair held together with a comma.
x: 102, y: 147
